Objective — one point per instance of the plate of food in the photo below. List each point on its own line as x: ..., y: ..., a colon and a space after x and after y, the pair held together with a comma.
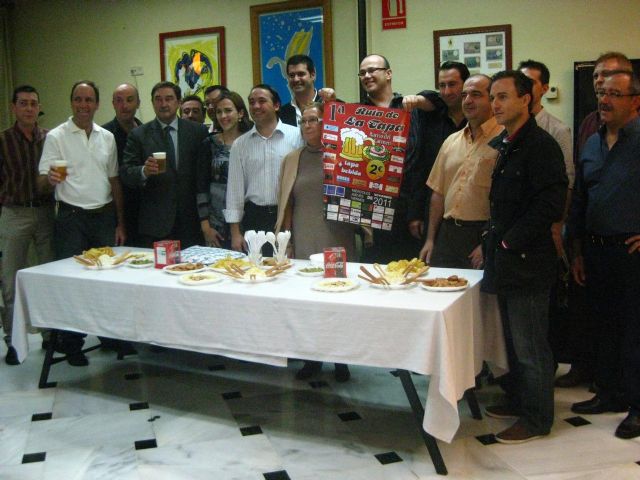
x: 141, y: 260
x: 102, y: 258
x: 310, y: 271
x: 253, y: 275
x: 407, y: 266
x: 452, y: 283
x: 202, y: 278
x: 220, y: 265
x: 335, y: 285
x: 393, y: 280
x: 182, y: 268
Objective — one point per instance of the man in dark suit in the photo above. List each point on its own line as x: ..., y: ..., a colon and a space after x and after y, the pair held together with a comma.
x: 168, y: 208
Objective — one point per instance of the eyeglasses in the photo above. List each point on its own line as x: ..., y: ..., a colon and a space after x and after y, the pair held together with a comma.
x: 310, y: 121
x: 370, y: 71
x: 613, y: 94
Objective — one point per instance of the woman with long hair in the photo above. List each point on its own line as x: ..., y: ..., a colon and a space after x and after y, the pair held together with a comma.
x: 233, y: 118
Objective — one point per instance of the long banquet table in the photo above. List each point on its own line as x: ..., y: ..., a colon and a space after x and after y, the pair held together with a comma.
x: 444, y: 335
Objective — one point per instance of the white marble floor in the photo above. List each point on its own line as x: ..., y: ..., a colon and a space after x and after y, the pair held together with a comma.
x: 178, y: 415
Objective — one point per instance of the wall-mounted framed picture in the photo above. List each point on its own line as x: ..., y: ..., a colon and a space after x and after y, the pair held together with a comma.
x: 193, y: 59
x: 482, y: 49
x: 281, y: 30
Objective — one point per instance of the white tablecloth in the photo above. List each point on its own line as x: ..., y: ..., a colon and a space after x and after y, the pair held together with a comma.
x: 445, y: 335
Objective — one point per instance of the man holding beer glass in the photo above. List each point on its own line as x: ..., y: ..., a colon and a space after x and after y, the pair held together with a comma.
x: 79, y: 162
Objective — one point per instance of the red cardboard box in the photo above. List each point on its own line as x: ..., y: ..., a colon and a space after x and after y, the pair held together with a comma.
x: 335, y: 262
x: 166, y: 252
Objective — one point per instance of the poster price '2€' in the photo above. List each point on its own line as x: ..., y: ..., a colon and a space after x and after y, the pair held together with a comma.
x: 363, y: 159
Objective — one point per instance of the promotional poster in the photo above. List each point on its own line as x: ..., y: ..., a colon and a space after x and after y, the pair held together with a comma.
x: 363, y: 159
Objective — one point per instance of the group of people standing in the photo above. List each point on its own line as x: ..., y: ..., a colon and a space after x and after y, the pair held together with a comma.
x: 488, y: 179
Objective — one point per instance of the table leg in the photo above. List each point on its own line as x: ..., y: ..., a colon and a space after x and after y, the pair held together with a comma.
x: 470, y: 397
x: 418, y: 410
x: 49, y: 360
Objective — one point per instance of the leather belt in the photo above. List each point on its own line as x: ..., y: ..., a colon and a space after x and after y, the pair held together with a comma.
x: 91, y: 211
x: 610, y: 240
x: 465, y: 223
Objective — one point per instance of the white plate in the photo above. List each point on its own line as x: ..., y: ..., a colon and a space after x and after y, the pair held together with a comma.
x: 444, y: 289
x: 103, y: 267
x: 325, y: 285
x: 144, y: 265
x: 257, y: 279
x: 310, y: 274
x: 211, y: 278
x: 168, y: 268
x: 395, y: 286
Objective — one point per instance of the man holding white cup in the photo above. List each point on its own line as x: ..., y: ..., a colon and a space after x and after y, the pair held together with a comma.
x: 161, y: 160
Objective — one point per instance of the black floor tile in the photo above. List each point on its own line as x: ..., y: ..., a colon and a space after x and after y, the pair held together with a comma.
x: 577, y: 421
x: 143, y: 444
x: 488, y: 439
x: 388, y: 457
x: 318, y: 384
x: 138, y: 406
x: 231, y: 395
x: 36, y: 417
x: 215, y: 368
x: 132, y: 376
x: 349, y: 416
x: 279, y: 475
x: 253, y: 430
x: 34, y: 457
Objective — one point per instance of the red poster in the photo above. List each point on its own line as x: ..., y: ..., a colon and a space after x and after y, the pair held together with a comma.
x: 394, y: 14
x: 364, y: 151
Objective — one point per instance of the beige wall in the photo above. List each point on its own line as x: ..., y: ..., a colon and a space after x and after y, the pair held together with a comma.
x: 57, y: 42
x: 556, y: 32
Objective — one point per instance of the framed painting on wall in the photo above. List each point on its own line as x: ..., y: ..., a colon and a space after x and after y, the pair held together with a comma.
x: 281, y: 30
x: 482, y: 49
x: 193, y: 59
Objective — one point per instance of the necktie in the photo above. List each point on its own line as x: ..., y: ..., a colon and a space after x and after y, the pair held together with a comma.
x: 170, y: 147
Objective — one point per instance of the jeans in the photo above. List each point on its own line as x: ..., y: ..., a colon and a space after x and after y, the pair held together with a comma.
x: 613, y: 287
x: 525, y: 320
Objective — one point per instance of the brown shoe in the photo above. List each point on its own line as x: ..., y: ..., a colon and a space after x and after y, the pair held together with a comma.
x: 502, y: 411
x: 516, y: 433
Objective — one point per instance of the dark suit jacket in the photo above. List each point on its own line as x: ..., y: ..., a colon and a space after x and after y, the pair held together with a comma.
x: 168, y: 202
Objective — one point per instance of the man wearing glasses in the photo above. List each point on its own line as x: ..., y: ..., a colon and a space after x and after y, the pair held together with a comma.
x: 605, y: 222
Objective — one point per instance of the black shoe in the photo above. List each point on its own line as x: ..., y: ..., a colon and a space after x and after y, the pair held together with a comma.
x: 126, y: 348
x: 308, y: 370
x: 77, y: 359
x: 12, y: 357
x: 598, y: 405
x: 630, y: 427
x: 341, y: 373
x: 577, y: 375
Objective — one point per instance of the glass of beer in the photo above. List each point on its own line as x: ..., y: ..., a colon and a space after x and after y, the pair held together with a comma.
x: 161, y: 158
x: 60, y: 166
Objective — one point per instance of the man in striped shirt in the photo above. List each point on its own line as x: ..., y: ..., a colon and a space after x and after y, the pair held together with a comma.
x: 27, y: 216
x: 254, y: 167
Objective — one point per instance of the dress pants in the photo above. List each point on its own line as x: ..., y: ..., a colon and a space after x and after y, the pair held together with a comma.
x: 613, y: 285
x: 19, y: 227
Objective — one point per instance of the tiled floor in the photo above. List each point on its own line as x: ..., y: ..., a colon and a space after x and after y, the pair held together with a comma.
x: 178, y: 415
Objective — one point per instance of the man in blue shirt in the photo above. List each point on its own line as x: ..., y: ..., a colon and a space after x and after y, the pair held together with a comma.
x: 605, y: 221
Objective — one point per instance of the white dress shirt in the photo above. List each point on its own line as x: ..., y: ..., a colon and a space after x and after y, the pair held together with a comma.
x: 562, y: 134
x: 254, y: 168
x: 91, y: 162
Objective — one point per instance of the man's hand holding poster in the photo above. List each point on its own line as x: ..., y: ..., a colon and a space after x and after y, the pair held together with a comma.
x: 364, y: 150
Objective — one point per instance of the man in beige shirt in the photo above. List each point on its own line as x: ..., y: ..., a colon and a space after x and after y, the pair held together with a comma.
x: 461, y: 180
